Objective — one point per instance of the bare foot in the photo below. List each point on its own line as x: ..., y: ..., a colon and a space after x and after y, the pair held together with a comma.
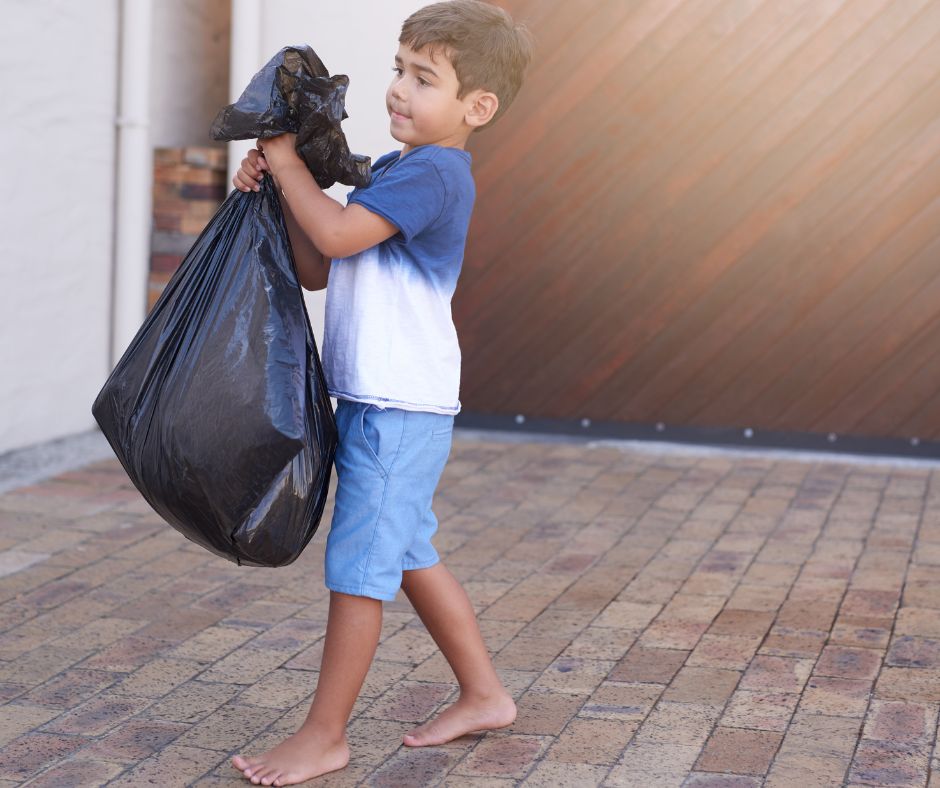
x: 462, y: 717
x: 300, y: 757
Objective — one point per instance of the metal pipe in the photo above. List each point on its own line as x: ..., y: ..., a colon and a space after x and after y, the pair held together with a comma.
x: 244, y: 62
x: 134, y: 189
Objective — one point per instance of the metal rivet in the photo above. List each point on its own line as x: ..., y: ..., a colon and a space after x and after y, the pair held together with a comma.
x: 520, y: 418
x: 915, y: 441
x: 660, y: 427
x: 748, y: 433
x: 585, y: 423
x: 832, y: 437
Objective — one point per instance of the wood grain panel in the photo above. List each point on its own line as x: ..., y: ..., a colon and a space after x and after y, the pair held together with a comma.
x: 713, y: 213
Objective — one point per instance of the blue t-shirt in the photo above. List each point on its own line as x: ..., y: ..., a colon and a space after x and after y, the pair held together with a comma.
x: 389, y: 337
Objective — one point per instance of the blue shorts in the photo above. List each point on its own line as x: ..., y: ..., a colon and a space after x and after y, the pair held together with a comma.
x: 388, y: 464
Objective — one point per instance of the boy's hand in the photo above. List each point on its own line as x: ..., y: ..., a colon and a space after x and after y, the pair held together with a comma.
x: 251, y: 172
x: 279, y: 151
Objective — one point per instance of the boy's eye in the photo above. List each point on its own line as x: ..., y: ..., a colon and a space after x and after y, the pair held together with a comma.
x: 397, y: 70
x: 423, y: 82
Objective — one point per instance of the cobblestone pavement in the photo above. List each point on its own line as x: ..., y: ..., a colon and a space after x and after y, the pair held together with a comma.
x: 662, y: 619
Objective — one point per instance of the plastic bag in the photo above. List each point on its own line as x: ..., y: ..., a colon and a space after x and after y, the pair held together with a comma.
x: 295, y: 93
x: 218, y: 410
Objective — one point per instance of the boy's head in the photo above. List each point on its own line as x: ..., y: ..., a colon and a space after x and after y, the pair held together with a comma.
x: 478, y: 43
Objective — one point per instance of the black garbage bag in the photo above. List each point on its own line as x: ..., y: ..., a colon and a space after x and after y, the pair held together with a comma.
x: 295, y: 93
x: 218, y: 410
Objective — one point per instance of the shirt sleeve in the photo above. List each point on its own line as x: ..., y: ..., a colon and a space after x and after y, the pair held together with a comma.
x: 410, y: 195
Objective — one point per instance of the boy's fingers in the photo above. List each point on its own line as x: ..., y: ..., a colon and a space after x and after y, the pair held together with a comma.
x: 244, y: 182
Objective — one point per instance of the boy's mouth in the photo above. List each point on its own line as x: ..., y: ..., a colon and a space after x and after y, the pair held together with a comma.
x: 397, y: 115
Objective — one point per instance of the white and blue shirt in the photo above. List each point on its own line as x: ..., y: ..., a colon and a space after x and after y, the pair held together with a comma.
x: 389, y: 336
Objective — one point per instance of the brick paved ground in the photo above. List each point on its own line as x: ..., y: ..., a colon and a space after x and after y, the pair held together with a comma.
x: 661, y: 620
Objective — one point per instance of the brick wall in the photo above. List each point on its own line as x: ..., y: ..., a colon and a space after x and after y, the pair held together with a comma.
x: 189, y: 185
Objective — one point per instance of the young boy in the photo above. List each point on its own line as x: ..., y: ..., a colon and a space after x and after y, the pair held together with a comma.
x: 392, y: 360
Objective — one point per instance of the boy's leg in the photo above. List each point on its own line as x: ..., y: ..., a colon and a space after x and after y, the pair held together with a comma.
x: 446, y: 611
x: 319, y: 746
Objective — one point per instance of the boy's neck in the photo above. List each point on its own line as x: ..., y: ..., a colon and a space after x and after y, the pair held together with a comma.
x: 406, y: 149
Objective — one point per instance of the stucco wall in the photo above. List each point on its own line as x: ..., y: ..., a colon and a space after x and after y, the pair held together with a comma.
x: 56, y: 222
x: 189, y: 77
x: 59, y: 62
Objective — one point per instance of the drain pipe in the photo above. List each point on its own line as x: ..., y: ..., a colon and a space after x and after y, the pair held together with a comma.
x: 134, y: 186
x: 244, y: 62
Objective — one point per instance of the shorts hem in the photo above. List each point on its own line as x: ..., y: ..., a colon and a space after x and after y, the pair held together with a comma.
x: 380, y: 595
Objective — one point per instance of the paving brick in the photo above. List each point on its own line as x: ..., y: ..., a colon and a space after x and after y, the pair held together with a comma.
x: 410, y: 701
x: 174, y: 765
x: 900, y: 722
x: 861, y: 632
x: 76, y: 772
x: 848, y: 663
x: 739, y: 751
x: 550, y: 774
x: 21, y: 717
x: 625, y: 702
x: 683, y: 635
x: 97, y: 715
x: 836, y: 697
x: 33, y: 752
x: 788, y: 642
x: 530, y: 653
x: 134, y: 740
x: 913, y: 684
x: 229, y: 727
x: 742, y: 622
x: 724, y: 651
x: 414, y: 766
x: 577, y: 676
x: 650, y: 763
x: 653, y: 665
x: 869, y: 603
x: 890, y: 763
x: 592, y: 741
x: 618, y: 591
x: 502, y: 755
x: 781, y: 674
x: 70, y: 688
x: 706, y: 780
x: 627, y: 615
x: 601, y: 643
x: 711, y: 686
x: 545, y: 712
x: 914, y: 652
x: 760, y: 710
x: 677, y: 723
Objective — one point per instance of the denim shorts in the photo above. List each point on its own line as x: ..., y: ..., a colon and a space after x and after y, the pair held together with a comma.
x: 388, y: 464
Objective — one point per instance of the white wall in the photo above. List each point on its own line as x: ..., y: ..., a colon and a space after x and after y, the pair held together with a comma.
x: 358, y: 38
x: 189, y: 73
x: 59, y: 73
x: 58, y: 66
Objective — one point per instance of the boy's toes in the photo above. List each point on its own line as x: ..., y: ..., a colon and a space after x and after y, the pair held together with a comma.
x: 246, y: 766
x: 268, y: 775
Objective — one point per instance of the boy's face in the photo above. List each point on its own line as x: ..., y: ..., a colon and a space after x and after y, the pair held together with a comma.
x: 422, y: 100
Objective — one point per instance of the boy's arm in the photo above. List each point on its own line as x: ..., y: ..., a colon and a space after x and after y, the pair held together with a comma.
x: 335, y: 230
x: 313, y: 269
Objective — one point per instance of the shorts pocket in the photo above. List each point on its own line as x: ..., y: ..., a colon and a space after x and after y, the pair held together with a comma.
x: 376, y: 440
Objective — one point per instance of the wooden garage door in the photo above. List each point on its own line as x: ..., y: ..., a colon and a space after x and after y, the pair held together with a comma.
x: 713, y: 213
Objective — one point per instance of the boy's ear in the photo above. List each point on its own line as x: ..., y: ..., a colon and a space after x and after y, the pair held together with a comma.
x: 482, y: 108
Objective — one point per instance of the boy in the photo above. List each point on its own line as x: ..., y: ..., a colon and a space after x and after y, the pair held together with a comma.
x: 392, y: 360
